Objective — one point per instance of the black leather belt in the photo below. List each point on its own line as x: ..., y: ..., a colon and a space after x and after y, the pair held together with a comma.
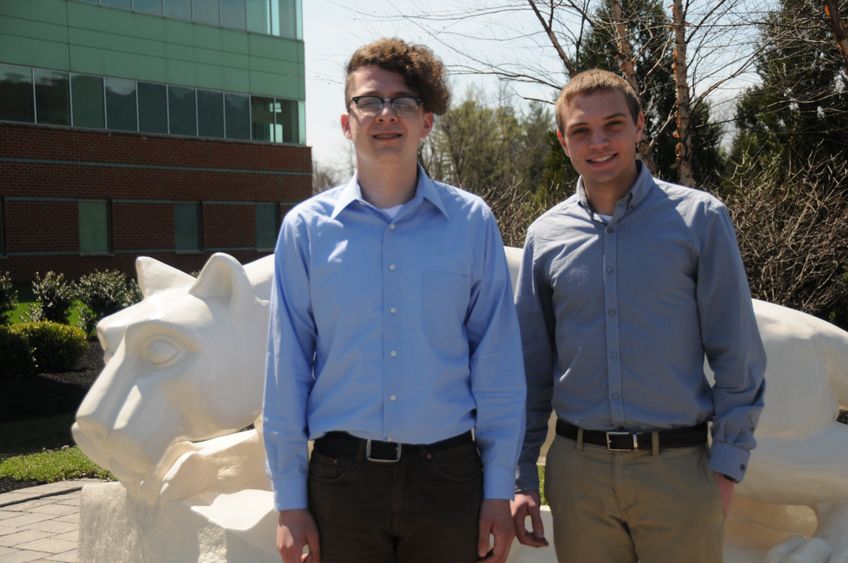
x: 629, y: 441
x: 344, y: 445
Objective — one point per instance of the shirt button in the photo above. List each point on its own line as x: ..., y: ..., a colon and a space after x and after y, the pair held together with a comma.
x: 393, y: 310
x: 392, y: 267
x: 616, y: 396
x: 613, y: 354
x: 393, y: 353
x: 742, y: 467
x: 611, y: 312
x: 392, y: 397
x: 610, y: 269
x: 392, y: 227
x: 610, y: 230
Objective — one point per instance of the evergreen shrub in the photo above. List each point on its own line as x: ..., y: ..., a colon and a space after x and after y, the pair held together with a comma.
x: 104, y: 293
x: 55, y: 347
x: 15, y: 352
x: 53, y: 295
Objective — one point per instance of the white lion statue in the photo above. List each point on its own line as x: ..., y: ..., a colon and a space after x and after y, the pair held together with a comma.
x: 171, y: 415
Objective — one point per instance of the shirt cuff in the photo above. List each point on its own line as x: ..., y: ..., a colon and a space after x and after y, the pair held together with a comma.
x: 498, y: 483
x: 289, y: 493
x: 729, y: 460
x: 527, y: 477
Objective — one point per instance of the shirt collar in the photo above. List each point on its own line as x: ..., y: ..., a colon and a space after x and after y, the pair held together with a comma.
x: 640, y: 188
x: 424, y: 189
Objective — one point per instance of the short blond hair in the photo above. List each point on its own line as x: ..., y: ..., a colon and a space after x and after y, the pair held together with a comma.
x: 596, y: 80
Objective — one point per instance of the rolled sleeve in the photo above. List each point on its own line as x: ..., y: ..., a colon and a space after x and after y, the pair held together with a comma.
x: 732, y: 345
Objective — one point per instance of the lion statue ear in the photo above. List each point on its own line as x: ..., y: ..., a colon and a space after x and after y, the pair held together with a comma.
x: 155, y: 276
x: 224, y: 278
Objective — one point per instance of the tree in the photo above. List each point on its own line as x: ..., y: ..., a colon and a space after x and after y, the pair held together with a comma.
x: 799, y: 112
x: 648, y: 30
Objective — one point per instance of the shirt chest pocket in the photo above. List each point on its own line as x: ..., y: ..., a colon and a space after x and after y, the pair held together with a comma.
x: 444, y: 304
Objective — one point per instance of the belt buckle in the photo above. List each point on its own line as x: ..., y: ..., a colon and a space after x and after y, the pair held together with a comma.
x: 398, y: 448
x: 612, y: 449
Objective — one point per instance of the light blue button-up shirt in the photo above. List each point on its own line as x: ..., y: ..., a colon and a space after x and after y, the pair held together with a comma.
x: 399, y: 329
x: 617, y: 317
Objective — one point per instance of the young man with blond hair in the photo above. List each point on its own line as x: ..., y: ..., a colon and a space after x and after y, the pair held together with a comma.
x: 623, y: 290
x: 393, y: 335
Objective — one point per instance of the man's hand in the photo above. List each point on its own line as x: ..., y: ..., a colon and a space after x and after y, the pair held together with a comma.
x: 295, y: 529
x: 495, y: 521
x: 526, y: 504
x: 725, y: 487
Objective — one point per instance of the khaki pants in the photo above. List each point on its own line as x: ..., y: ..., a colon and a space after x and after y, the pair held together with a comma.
x: 623, y: 507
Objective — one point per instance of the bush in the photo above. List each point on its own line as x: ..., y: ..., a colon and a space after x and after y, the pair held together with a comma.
x: 8, y: 297
x: 104, y: 293
x: 53, y: 295
x: 55, y: 347
x: 16, y: 354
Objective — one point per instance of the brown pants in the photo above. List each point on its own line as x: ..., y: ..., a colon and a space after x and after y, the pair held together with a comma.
x: 422, y: 509
x: 623, y: 507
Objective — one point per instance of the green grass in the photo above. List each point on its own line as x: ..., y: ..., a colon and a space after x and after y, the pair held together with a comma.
x: 20, y: 314
x: 52, y: 466
x: 40, y: 449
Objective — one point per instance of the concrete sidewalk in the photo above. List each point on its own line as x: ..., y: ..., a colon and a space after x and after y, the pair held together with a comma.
x: 41, y: 523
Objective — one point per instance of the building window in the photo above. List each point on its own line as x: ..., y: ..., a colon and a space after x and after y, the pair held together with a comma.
x: 205, y: 11
x: 180, y: 9
x: 52, y: 97
x: 16, y: 93
x: 267, y: 215
x: 210, y: 114
x: 262, y: 118
x: 148, y: 6
x: 259, y: 16
x: 233, y: 14
x: 87, y: 97
x: 121, y: 104
x: 284, y: 21
x: 288, y: 117
x: 152, y: 108
x: 94, y: 227
x: 181, y: 109
x: 187, y: 227
x: 2, y: 230
x: 123, y: 4
x: 238, y: 116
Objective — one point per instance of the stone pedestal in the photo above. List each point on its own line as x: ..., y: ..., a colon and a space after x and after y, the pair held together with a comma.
x: 224, y: 527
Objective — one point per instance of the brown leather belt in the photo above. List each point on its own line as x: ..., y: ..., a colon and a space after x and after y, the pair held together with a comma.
x: 347, y: 446
x: 630, y: 441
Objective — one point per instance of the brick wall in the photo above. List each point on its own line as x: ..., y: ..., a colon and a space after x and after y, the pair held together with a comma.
x: 50, y: 163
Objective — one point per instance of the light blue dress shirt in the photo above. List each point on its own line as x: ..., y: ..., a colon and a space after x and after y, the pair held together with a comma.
x: 401, y: 330
x: 617, y: 317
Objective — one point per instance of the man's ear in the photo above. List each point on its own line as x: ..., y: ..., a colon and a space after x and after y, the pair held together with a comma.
x: 561, y: 140
x: 428, y: 125
x: 345, y: 121
x: 640, y: 127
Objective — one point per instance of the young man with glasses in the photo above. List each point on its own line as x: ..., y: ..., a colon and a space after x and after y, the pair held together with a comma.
x: 393, y: 335
x: 624, y: 288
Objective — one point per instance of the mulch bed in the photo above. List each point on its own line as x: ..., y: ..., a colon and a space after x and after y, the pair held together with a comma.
x: 46, y: 394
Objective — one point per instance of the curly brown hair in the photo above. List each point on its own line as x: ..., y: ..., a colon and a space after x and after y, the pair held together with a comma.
x: 591, y: 81
x: 422, y: 71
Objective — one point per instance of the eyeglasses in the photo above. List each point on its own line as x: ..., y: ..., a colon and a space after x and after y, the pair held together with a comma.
x: 371, y: 106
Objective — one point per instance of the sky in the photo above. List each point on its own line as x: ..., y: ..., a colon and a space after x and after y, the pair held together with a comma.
x: 332, y: 32
x: 333, y: 29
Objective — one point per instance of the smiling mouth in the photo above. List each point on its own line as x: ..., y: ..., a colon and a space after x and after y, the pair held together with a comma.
x: 601, y: 160
x: 385, y: 136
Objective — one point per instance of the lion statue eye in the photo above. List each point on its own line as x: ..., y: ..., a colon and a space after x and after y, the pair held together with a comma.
x: 161, y: 351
